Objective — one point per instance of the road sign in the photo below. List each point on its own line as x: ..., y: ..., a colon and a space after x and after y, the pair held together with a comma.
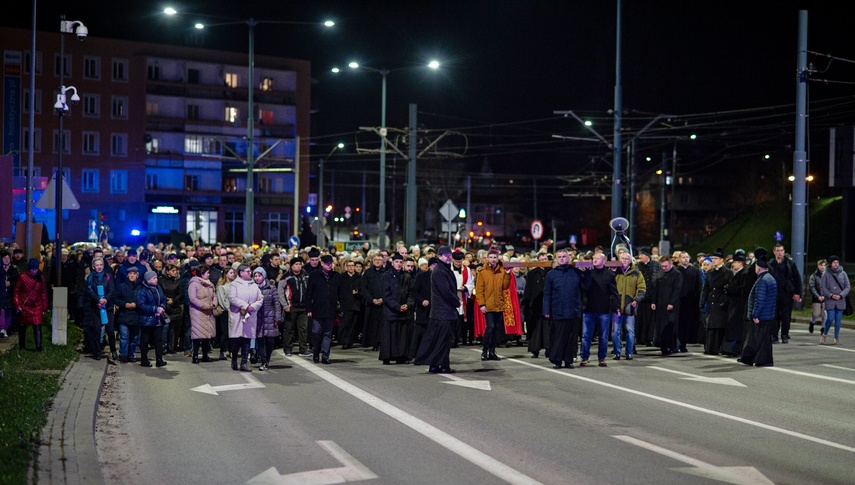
x: 448, y: 211
x: 93, y: 230
x: 536, y: 229
x: 572, y: 239
x: 449, y: 227
x: 46, y: 201
x: 294, y: 242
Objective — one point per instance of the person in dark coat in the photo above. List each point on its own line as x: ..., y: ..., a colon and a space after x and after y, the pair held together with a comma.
x: 267, y: 323
x: 689, y: 325
x: 151, y: 303
x: 397, y: 313
x: 435, y: 348
x: 645, y: 323
x: 324, y: 294
x: 761, y: 311
x: 539, y: 328
x: 789, y: 285
x: 124, y: 297
x: 562, y: 305
x: 174, y: 292
x: 352, y: 306
x: 602, y: 299
x: 95, y: 302
x: 10, y: 275
x: 372, y: 296
x: 665, y: 303
x: 713, y: 296
x: 132, y: 261
x: 421, y: 299
x: 736, y: 292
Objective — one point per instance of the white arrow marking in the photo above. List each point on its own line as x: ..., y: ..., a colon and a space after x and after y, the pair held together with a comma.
x: 457, y: 381
x: 737, y: 475
x: 251, y: 383
x: 352, y: 471
x: 727, y: 381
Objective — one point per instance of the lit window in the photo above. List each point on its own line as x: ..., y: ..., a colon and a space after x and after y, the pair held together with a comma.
x: 232, y: 79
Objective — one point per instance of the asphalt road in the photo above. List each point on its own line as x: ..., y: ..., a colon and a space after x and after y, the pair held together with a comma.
x: 652, y: 420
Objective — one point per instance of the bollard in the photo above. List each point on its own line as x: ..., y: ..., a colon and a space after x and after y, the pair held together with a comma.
x: 59, y: 319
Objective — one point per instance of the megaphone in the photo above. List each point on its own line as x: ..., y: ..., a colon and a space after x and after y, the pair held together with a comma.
x: 619, y: 225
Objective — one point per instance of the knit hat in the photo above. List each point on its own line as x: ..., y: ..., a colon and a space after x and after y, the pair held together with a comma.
x: 149, y: 275
x: 831, y: 259
x: 259, y: 270
x: 326, y: 259
x: 295, y: 261
x: 444, y: 250
x: 33, y: 263
x: 423, y: 261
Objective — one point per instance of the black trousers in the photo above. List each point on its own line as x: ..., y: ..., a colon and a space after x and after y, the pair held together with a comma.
x: 151, y: 336
x: 93, y: 333
x: 37, y: 336
x: 347, y: 327
x: 265, y: 348
x: 783, y: 313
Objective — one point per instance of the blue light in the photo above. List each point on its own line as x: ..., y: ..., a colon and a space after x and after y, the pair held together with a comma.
x: 308, y: 209
x: 135, y: 232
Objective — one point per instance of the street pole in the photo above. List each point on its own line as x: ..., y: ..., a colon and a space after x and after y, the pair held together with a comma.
x: 249, y: 225
x: 30, y: 136
x: 617, y: 192
x: 296, y: 223
x: 412, y: 218
x: 799, y: 155
x: 662, y: 229
x: 321, y: 216
x: 381, y: 212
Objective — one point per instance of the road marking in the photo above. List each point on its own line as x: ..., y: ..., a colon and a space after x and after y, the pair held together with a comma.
x: 837, y: 367
x: 738, y: 475
x: 458, y: 381
x: 251, y: 383
x: 693, y: 407
x: 352, y: 471
x: 788, y: 371
x: 836, y: 347
x: 727, y: 381
x: 474, y: 456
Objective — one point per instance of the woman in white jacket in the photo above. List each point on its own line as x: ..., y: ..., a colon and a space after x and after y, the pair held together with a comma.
x: 244, y: 301
x: 223, y: 287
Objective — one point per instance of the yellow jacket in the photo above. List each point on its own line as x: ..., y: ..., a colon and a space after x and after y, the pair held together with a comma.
x: 490, y: 285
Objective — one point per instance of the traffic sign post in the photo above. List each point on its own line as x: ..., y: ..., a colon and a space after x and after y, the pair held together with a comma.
x: 448, y: 211
x: 536, y: 230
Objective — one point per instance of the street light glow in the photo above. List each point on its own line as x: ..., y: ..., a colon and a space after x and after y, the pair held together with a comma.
x: 353, y: 65
x: 329, y: 23
x: 693, y: 136
x: 335, y: 70
x: 199, y: 25
x: 588, y: 123
x: 170, y: 11
x: 340, y: 145
x: 767, y: 156
x: 791, y: 178
x: 434, y: 64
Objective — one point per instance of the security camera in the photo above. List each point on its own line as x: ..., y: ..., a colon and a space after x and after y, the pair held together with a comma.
x: 81, y: 32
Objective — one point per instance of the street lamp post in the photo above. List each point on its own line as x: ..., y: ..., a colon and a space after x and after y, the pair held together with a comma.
x: 249, y: 219
x: 61, y: 107
x: 384, y: 73
x: 321, y: 208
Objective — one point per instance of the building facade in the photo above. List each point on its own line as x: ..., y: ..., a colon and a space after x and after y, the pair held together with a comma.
x: 156, y: 149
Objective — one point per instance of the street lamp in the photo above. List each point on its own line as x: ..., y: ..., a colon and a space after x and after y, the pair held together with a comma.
x: 384, y: 73
x: 249, y: 222
x: 77, y: 28
x: 321, y: 207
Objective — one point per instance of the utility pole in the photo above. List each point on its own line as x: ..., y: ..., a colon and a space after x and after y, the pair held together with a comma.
x: 617, y: 147
x: 799, y: 154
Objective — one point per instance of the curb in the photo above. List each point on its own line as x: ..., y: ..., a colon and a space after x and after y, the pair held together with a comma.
x: 68, y: 453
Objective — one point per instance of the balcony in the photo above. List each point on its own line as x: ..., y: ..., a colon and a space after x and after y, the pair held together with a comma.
x: 222, y: 92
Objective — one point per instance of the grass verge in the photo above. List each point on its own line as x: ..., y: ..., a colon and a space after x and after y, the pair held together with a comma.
x: 27, y: 390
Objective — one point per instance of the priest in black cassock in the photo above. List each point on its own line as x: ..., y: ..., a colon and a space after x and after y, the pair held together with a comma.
x: 397, y: 312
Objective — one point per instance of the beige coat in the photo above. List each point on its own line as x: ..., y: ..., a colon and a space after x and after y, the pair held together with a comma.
x: 203, y: 299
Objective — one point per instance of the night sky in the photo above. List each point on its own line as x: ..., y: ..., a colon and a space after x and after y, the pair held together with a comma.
x: 725, y: 69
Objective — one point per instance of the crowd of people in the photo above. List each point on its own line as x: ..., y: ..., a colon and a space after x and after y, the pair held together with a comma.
x: 412, y: 304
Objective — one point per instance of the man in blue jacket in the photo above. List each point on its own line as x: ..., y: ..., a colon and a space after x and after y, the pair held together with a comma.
x: 562, y: 302
x: 761, y: 311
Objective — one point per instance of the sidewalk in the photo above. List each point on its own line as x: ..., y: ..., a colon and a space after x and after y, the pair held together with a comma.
x: 68, y: 453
